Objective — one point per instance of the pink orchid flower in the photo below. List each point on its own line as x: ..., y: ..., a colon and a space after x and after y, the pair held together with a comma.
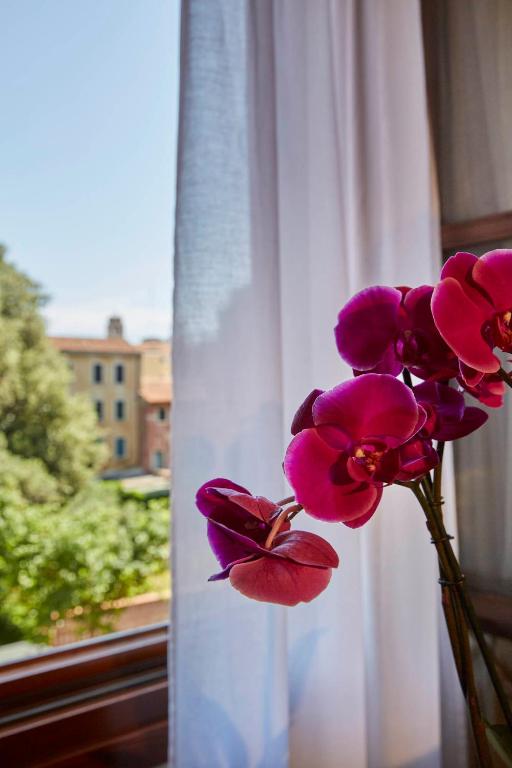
x: 360, y: 440
x: 383, y: 329
x: 448, y: 417
x: 472, y: 308
x: 275, y: 566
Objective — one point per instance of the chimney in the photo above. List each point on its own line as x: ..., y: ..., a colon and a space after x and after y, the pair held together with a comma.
x: 115, y: 328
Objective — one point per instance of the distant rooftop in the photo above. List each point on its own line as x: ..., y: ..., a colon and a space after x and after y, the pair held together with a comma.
x: 78, y: 344
x: 115, y: 343
x: 156, y: 393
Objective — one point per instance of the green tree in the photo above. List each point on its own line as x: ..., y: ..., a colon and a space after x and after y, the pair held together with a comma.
x: 38, y: 417
x: 67, y: 540
x: 98, y: 547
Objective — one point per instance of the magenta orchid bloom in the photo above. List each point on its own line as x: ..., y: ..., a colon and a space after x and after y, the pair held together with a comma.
x: 383, y: 330
x: 359, y: 441
x: 472, y: 308
x: 448, y: 417
x: 288, y: 568
x: 490, y: 390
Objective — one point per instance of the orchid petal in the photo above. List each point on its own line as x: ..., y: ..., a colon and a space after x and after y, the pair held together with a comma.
x: 371, y: 405
x: 307, y: 466
x: 206, y: 502
x: 447, y: 402
x: 258, y: 506
x: 470, y: 376
x: 367, y: 325
x: 359, y: 521
x: 224, y: 574
x: 417, y: 457
x: 303, y: 418
x: 229, y: 545
x: 473, y: 419
x: 305, y: 548
x: 460, y: 323
x: 459, y: 266
x: 493, y: 272
x: 274, y: 580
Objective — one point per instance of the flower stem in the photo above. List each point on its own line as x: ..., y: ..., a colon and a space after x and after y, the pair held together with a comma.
x: 456, y: 577
x: 459, y: 612
x: 453, y: 602
x: 283, y: 502
x: 276, y: 527
x: 506, y: 377
x: 292, y: 511
x: 407, y: 377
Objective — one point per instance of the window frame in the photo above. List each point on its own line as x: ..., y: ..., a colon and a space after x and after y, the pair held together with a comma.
x: 88, y: 703
x: 121, y: 410
x: 162, y: 410
x: 117, y: 442
x: 119, y: 377
x: 99, y: 406
x: 457, y: 235
x: 158, y: 463
x: 97, y: 368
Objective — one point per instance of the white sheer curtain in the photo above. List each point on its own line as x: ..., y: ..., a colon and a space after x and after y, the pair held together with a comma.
x: 303, y: 175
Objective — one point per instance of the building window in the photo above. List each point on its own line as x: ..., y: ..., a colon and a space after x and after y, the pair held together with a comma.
x: 99, y: 409
x: 119, y: 373
x: 158, y: 460
x: 97, y: 373
x: 162, y: 414
x: 120, y: 447
x: 119, y: 410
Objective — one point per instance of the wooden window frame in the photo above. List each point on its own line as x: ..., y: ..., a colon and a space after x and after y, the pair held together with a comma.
x: 100, y: 702
x: 458, y: 235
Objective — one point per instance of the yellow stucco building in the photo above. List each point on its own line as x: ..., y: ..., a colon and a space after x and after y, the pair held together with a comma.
x: 108, y: 371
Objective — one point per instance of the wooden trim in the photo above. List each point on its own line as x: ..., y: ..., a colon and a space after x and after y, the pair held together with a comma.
x: 462, y: 234
x: 430, y: 22
x: 94, y: 701
x: 494, y: 612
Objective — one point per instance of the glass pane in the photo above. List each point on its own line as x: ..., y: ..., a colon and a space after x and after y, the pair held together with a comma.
x: 89, y: 100
x: 470, y: 63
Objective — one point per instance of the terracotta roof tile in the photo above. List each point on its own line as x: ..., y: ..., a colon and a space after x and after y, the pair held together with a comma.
x: 75, y: 344
x: 156, y: 392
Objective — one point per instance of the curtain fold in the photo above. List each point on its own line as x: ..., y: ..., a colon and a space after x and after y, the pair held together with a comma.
x: 303, y: 175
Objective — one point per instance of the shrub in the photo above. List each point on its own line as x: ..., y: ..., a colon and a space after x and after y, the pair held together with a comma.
x: 100, y: 546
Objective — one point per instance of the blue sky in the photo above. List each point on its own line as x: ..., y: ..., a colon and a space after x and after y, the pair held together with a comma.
x: 88, y: 93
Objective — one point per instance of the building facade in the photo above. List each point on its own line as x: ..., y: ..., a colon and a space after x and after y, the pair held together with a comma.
x: 155, y: 428
x: 115, y: 374
x: 155, y: 395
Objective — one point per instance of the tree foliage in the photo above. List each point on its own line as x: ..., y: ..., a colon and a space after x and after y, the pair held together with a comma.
x: 66, y: 539
x: 38, y: 417
x: 99, y: 546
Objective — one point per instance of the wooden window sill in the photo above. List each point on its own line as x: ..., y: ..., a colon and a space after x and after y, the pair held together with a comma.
x: 102, y: 702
